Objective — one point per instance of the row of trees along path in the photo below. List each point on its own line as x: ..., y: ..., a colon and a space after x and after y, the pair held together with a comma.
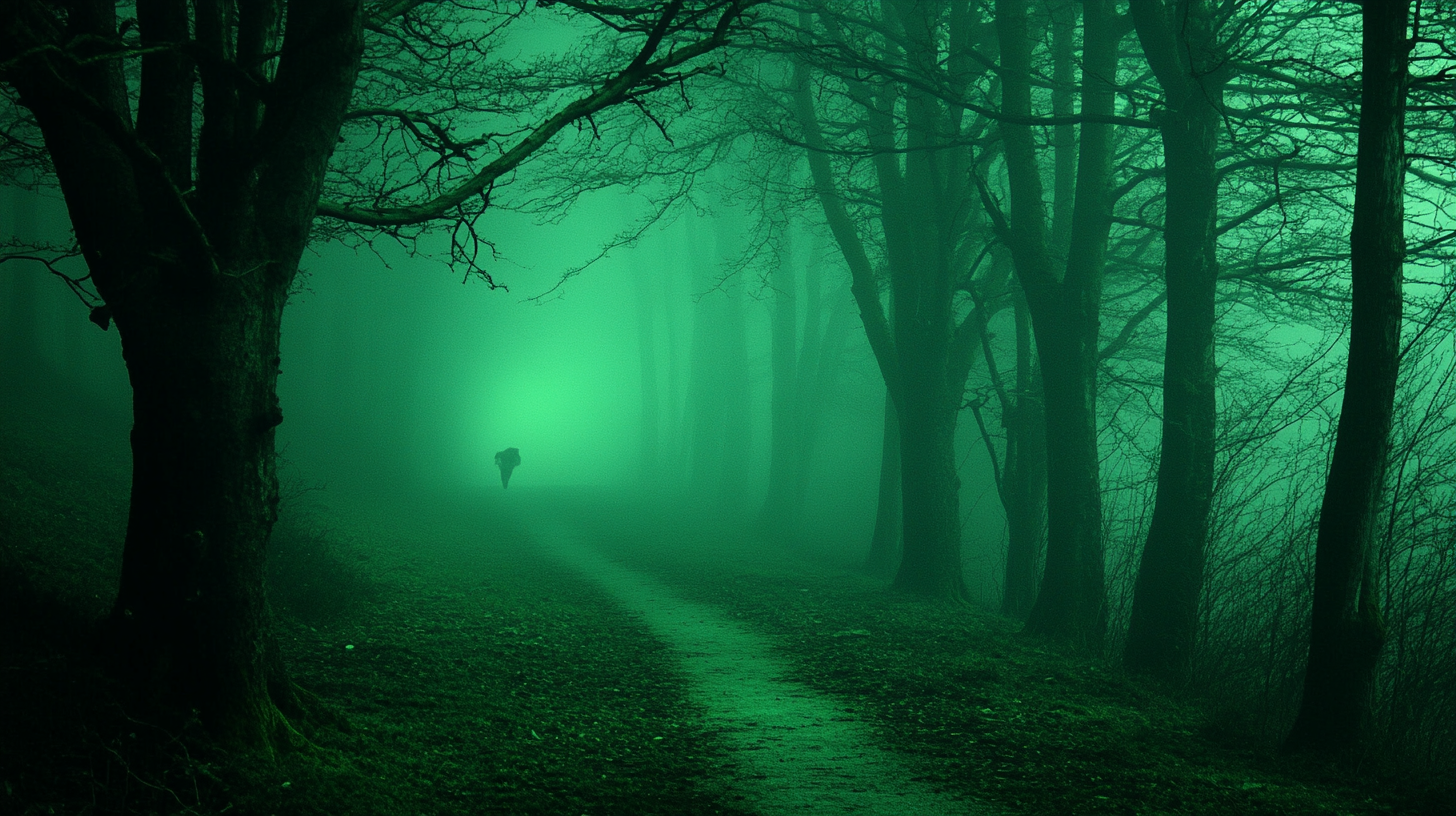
x: 192, y: 221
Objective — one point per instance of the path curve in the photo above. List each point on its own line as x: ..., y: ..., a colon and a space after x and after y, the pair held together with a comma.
x: 799, y: 750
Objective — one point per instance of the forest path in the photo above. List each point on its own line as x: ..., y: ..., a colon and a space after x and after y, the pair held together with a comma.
x: 800, y: 751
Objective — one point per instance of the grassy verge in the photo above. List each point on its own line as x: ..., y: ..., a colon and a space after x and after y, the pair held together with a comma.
x: 478, y: 678
x: 466, y: 674
x: 993, y: 715
x: 462, y: 674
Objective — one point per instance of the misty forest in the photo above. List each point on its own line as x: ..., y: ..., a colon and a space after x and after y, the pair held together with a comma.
x: 728, y: 407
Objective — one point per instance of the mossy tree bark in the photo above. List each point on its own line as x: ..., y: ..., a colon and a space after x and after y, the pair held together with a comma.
x: 1347, y: 632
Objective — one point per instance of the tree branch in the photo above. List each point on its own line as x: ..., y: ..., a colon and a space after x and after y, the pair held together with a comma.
x: 643, y: 75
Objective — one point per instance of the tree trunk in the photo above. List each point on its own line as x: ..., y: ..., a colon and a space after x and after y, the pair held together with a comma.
x: 820, y: 365
x: 703, y: 407
x: 922, y: 231
x: 1347, y: 633
x: 884, y: 555
x: 1064, y: 136
x: 922, y: 207
x: 196, y: 282
x: 718, y: 388
x: 1065, y: 313
x: 1025, y: 479
x: 1071, y: 605
x: 737, y: 416
x: 930, y: 561
x: 191, y: 615
x: 1164, y: 621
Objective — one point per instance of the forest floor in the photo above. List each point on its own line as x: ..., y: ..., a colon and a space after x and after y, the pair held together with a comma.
x: 572, y: 652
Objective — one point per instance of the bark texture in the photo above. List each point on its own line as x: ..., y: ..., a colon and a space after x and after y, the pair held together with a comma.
x: 920, y: 234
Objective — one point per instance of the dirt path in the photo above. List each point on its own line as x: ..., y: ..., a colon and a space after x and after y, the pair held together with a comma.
x: 800, y: 751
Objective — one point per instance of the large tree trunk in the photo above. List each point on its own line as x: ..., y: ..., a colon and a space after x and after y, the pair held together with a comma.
x: 1025, y: 479
x: 1164, y: 621
x: 1071, y: 605
x: 922, y: 211
x: 930, y: 561
x: 195, y: 275
x: 191, y: 616
x: 1347, y: 633
x: 1065, y: 313
x: 1064, y: 136
x: 923, y: 226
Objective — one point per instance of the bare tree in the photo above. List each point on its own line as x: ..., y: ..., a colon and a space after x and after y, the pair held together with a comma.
x: 1183, y: 49
x: 1064, y: 309
x: 1347, y: 630
x: 192, y: 212
x: 882, y: 72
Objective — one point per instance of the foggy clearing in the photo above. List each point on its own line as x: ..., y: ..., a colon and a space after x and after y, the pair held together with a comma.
x: 727, y: 407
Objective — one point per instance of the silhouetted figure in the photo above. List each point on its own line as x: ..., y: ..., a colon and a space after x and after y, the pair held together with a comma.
x: 507, y: 460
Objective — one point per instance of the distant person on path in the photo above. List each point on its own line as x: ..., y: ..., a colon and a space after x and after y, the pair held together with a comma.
x: 507, y: 460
